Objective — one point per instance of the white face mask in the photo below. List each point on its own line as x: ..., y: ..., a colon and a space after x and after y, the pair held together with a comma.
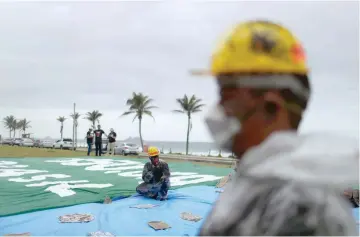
x: 222, y: 127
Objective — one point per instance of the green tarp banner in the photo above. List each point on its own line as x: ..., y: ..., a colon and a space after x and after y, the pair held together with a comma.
x: 30, y: 184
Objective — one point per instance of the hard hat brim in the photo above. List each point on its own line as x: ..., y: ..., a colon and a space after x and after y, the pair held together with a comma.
x: 200, y: 72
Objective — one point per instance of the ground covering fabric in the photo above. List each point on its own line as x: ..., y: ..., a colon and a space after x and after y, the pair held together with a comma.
x: 118, y: 218
x: 32, y: 184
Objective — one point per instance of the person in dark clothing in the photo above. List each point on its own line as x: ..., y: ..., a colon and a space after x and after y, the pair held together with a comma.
x: 112, y: 140
x: 89, y: 140
x: 156, y: 176
x: 98, y: 140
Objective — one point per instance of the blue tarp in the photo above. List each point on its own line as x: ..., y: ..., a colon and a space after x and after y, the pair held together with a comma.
x: 356, y: 215
x: 119, y: 219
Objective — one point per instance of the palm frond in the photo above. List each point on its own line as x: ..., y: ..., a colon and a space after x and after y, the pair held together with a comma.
x: 75, y: 116
x: 127, y: 113
x: 196, y: 111
x: 189, y: 106
x: 198, y: 107
x: 9, y: 121
x: 147, y: 101
x: 23, y: 124
x: 139, y: 104
x: 61, y: 119
x: 149, y: 113
x: 135, y: 117
x: 178, y: 111
x: 93, y: 116
x: 150, y: 107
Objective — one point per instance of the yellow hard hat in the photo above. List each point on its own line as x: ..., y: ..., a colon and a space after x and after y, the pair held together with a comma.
x: 153, y: 151
x: 258, y: 47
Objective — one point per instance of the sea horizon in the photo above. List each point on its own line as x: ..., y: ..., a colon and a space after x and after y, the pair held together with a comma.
x: 166, y: 147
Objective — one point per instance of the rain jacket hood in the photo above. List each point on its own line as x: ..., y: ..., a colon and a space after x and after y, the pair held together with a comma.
x: 315, y: 159
x: 289, y: 185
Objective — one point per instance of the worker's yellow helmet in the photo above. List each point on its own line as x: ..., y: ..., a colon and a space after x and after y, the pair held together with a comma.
x: 153, y: 151
x: 259, y: 47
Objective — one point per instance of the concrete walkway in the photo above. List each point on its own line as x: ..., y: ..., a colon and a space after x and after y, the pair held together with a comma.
x: 214, y: 160
x: 205, y: 159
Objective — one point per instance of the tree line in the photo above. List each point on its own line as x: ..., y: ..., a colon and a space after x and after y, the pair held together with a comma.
x: 13, y: 125
x: 139, y: 105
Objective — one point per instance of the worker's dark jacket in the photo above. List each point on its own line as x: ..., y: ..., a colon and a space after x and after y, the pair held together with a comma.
x: 152, y: 174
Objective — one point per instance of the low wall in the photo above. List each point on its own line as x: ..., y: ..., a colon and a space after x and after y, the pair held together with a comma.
x: 205, y: 159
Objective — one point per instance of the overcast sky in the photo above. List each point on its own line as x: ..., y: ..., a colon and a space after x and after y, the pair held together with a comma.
x: 96, y: 54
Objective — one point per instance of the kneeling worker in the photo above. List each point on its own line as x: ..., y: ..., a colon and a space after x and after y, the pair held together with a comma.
x: 156, y: 176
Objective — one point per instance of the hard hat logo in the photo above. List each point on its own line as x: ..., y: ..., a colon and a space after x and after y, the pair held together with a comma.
x: 263, y: 42
x: 269, y: 43
x: 298, y: 53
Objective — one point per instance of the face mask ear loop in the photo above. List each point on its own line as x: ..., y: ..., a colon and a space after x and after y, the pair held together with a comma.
x: 293, y: 108
x: 242, y: 118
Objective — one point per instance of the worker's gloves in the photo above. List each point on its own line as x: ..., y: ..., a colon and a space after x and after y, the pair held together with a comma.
x: 149, y: 176
x: 162, y: 179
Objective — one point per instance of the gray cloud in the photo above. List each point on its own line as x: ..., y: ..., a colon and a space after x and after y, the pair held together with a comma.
x: 97, y: 53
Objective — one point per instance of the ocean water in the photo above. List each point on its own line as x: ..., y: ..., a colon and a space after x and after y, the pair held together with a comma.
x: 195, y: 148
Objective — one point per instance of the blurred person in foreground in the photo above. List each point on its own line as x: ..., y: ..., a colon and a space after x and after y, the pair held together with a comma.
x: 89, y: 140
x: 156, y: 177
x: 285, y: 183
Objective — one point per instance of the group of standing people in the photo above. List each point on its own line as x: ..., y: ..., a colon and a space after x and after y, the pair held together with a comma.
x: 97, y: 136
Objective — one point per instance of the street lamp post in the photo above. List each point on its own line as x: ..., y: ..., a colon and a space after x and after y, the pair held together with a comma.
x: 73, y: 144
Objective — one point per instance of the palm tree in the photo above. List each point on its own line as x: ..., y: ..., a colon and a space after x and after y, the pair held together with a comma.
x: 9, y: 123
x: 61, y: 119
x: 188, y: 107
x: 24, y: 124
x: 18, y: 126
x: 75, y: 117
x: 93, y: 117
x: 139, y: 104
x: 14, y: 126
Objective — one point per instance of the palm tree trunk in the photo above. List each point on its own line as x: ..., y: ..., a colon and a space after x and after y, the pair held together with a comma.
x: 61, y: 134
x: 187, y: 135
x: 94, y: 124
x: 141, y: 140
x: 76, y: 136
x: 14, y: 132
x: 10, y: 132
